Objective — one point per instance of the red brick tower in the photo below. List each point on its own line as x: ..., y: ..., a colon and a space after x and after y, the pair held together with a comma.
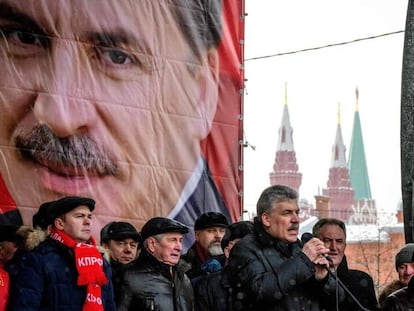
x: 285, y: 169
x: 339, y: 188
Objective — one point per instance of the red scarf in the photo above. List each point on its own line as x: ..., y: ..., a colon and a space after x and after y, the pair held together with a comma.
x: 89, y: 264
x: 202, y: 254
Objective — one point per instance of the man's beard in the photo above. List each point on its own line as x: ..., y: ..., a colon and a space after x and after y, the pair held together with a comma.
x: 215, y: 250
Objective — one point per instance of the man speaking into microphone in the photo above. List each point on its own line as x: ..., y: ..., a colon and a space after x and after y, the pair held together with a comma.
x: 271, y: 269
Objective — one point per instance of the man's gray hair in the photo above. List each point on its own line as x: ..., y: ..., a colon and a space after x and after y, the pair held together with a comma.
x: 200, y: 21
x: 157, y: 237
x: 274, y: 194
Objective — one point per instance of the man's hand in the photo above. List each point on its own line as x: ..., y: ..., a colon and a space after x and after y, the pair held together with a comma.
x: 314, y: 249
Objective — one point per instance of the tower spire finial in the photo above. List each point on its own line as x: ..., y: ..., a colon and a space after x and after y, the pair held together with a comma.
x: 339, y: 113
x: 357, y: 98
x: 286, y: 100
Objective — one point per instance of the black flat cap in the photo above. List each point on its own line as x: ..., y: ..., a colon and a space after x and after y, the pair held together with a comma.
x: 210, y: 219
x: 236, y: 230
x: 42, y: 218
x: 104, y: 232
x: 118, y: 231
x: 66, y: 204
x: 8, y: 233
x: 158, y: 225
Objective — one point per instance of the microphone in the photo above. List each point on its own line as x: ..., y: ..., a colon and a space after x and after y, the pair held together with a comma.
x: 306, y: 237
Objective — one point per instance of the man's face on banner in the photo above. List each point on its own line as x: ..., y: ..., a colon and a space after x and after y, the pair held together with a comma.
x: 103, y: 99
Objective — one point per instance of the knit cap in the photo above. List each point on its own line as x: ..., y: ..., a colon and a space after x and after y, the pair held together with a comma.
x: 404, y: 255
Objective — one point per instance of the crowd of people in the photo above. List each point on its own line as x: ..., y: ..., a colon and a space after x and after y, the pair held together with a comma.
x: 261, y: 265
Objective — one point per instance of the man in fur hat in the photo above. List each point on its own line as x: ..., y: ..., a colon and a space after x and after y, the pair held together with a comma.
x: 66, y: 271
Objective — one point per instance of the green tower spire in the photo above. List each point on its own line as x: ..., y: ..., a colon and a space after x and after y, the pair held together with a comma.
x: 357, y: 164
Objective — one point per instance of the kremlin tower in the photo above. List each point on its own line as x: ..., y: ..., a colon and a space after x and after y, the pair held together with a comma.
x: 285, y: 169
x: 365, y: 211
x: 339, y: 190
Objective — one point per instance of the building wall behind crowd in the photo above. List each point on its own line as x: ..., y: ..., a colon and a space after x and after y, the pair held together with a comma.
x: 377, y: 258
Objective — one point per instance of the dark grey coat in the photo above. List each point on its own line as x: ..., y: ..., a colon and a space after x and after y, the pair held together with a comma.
x: 402, y: 299
x: 267, y: 274
x: 148, y: 285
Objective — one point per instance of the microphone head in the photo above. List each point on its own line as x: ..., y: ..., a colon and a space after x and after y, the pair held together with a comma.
x: 306, y: 237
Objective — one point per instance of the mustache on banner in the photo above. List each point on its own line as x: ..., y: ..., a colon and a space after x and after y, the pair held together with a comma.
x: 78, y: 152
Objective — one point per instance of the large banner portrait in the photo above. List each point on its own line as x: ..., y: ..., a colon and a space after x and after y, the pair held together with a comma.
x: 135, y: 104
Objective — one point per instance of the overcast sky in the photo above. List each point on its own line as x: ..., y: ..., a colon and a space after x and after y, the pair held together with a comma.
x: 316, y: 82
